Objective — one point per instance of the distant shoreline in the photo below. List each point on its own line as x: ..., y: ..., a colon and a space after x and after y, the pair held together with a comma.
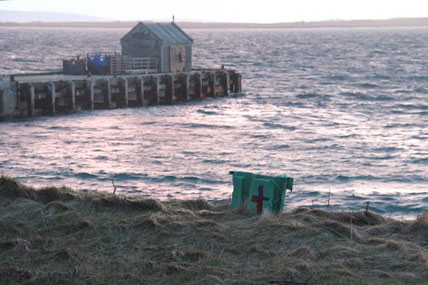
x: 389, y: 23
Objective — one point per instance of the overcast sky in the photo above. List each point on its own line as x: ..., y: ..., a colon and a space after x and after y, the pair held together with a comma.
x: 255, y: 11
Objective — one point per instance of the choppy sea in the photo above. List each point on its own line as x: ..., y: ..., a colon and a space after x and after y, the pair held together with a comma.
x: 343, y: 111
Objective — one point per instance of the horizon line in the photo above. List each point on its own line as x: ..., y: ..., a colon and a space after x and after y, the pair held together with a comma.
x: 197, y: 21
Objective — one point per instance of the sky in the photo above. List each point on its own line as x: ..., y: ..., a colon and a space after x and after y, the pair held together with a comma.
x: 249, y: 11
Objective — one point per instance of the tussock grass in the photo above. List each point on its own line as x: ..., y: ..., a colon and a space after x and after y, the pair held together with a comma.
x: 57, y: 236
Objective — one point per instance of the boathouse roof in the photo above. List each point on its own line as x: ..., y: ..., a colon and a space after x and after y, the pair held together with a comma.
x: 168, y: 33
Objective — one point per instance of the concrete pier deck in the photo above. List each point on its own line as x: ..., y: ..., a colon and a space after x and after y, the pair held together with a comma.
x: 47, y: 94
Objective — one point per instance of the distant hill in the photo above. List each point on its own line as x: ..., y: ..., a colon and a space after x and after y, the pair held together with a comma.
x: 400, y: 22
x: 26, y: 17
x: 46, y: 19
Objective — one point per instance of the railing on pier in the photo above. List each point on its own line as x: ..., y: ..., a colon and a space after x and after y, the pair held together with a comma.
x: 124, y: 64
x: 114, y: 63
x: 142, y: 64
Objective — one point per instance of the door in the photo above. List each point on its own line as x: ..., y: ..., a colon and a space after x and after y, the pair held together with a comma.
x: 177, y: 59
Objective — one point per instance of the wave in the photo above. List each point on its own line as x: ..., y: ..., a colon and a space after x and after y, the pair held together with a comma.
x: 24, y: 60
x: 60, y: 128
x: 317, y: 140
x: 418, y: 77
x: 336, y: 77
x: 278, y: 147
x: 407, y: 125
x: 101, y: 157
x: 349, y: 136
x: 423, y: 161
x: 307, y: 96
x: 421, y: 90
x: 143, y: 177
x: 129, y: 176
x: 293, y: 104
x: 384, y: 157
x: 192, y: 179
x: 379, y: 77
x: 411, y: 106
x: 207, y: 112
x: 368, y: 85
x: 386, y: 149
x: 365, y: 97
x: 205, y: 126
x: 86, y: 176
x: 279, y: 126
x: 214, y: 161
x: 344, y: 178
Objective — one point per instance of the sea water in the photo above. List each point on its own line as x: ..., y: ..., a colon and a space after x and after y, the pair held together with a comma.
x: 343, y: 111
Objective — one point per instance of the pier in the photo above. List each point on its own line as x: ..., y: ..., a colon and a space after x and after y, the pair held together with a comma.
x: 153, y: 67
x: 49, y: 94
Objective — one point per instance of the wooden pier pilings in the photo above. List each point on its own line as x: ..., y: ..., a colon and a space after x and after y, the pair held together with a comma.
x: 59, y: 93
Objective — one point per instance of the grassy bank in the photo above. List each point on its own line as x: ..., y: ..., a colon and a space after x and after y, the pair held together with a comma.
x: 55, y: 235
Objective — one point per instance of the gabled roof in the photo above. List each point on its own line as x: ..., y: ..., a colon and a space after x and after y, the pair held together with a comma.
x: 168, y: 33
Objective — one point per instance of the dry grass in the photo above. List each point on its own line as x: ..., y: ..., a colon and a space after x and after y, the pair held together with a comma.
x: 58, y: 236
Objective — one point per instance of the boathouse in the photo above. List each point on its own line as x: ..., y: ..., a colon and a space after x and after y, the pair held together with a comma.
x: 166, y: 42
